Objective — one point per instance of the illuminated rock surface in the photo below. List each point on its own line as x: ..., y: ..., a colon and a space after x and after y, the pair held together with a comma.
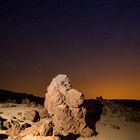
x: 66, y: 108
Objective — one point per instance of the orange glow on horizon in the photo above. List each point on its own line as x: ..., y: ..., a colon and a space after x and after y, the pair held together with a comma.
x: 108, y: 86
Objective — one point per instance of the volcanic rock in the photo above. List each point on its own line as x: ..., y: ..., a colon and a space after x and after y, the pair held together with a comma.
x: 6, y: 124
x: 14, y: 129
x: 43, y: 113
x: 74, y: 98
x: 32, y: 116
x: 46, y: 129
x: 66, y: 108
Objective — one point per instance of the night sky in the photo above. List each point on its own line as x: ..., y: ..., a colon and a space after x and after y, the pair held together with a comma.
x: 95, y: 42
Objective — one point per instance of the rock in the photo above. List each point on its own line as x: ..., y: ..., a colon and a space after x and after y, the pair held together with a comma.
x: 46, y: 129
x: 43, y: 113
x: 6, y: 124
x: 86, y: 132
x: 66, y: 108
x: 58, y: 99
x: 14, y: 129
x: 63, y: 120
x: 32, y: 116
x: 60, y: 83
x: 34, y: 129
x: 33, y: 104
x: 38, y: 129
x: 79, y: 112
x: 74, y: 98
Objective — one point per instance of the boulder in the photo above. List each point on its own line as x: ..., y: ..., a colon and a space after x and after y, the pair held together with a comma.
x: 38, y: 129
x: 32, y: 116
x: 66, y: 108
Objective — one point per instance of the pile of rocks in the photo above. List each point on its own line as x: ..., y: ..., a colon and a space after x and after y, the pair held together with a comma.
x: 66, y: 108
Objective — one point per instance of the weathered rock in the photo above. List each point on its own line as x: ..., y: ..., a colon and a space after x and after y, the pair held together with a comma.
x: 46, y: 129
x: 86, y: 132
x: 14, y: 129
x: 74, y: 98
x: 6, y: 124
x: 43, y: 113
x: 58, y: 99
x: 33, y: 130
x: 65, y: 106
x: 60, y: 83
x: 32, y: 116
x: 38, y: 129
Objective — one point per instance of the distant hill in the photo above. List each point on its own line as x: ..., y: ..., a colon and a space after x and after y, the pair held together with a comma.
x: 18, y: 97
x: 127, y: 103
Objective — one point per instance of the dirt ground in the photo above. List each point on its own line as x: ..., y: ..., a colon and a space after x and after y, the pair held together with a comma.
x: 111, y: 126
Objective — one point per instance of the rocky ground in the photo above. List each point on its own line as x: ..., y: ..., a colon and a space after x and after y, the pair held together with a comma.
x: 64, y: 114
x: 117, y: 122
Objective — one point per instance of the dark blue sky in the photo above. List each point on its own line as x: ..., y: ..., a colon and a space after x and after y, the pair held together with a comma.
x: 93, y: 41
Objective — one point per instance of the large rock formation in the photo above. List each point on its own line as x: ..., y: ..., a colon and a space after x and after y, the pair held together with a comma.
x: 65, y: 106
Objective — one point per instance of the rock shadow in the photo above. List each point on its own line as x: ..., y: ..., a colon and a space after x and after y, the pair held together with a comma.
x: 3, y: 136
x: 94, y: 111
x: 69, y: 137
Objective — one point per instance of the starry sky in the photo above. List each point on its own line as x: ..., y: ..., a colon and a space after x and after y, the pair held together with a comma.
x: 95, y: 42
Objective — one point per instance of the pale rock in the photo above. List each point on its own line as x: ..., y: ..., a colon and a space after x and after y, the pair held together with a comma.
x: 32, y: 116
x: 66, y: 108
x: 74, y: 98
x: 43, y: 113
x: 46, y: 129
x: 60, y: 83
x: 14, y: 129
x: 6, y: 124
